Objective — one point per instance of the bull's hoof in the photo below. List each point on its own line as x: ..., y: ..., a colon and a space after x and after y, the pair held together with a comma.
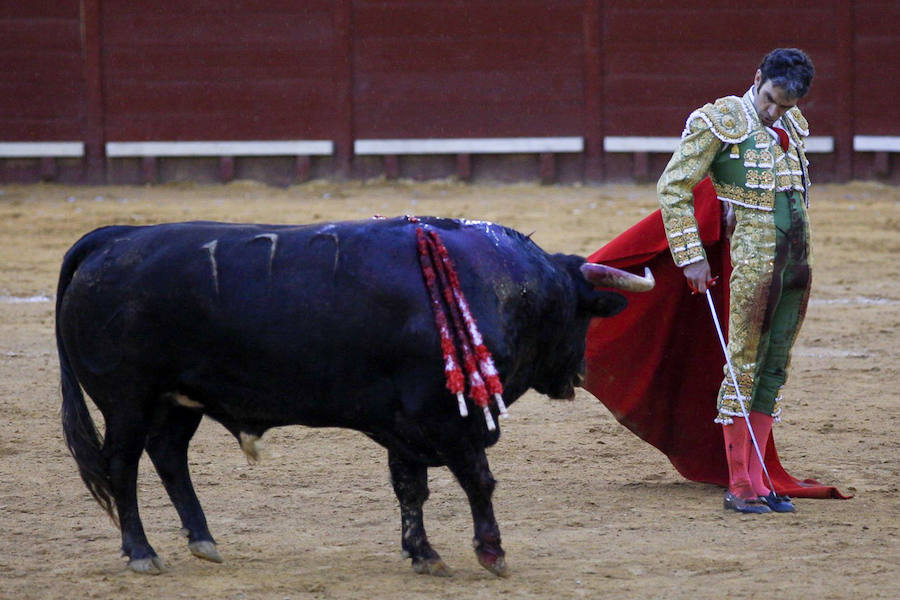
x: 205, y: 550
x: 147, y: 566
x: 432, y: 566
x: 493, y: 563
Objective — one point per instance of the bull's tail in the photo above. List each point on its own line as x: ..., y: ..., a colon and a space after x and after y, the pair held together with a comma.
x: 83, y: 439
x: 79, y: 429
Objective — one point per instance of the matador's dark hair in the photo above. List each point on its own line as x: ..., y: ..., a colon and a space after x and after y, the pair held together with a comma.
x: 790, y: 69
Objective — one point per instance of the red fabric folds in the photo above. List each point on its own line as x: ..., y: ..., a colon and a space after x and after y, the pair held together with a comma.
x: 657, y: 366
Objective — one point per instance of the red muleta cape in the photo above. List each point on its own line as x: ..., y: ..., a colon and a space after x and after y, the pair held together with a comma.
x: 657, y: 366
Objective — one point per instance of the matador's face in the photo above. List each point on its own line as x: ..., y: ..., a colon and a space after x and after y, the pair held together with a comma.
x: 770, y: 101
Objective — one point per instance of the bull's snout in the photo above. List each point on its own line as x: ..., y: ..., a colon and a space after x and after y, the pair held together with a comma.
x: 567, y: 391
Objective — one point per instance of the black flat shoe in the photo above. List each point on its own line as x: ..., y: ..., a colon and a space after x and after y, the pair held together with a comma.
x: 752, y: 505
x: 778, y: 503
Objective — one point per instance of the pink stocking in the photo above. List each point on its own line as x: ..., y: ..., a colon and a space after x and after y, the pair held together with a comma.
x: 762, y: 429
x: 738, y: 448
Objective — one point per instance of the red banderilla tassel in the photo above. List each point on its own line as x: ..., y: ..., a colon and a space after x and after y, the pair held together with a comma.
x: 485, y: 360
x: 455, y: 381
x: 460, y: 334
x: 445, y: 270
x: 477, y: 390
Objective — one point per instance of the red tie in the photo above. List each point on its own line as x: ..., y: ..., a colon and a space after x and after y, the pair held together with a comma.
x: 782, y: 137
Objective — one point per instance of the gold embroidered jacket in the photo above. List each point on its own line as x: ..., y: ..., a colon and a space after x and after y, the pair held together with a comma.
x: 747, y: 165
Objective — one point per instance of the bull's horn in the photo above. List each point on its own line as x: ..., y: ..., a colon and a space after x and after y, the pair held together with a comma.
x: 605, y: 276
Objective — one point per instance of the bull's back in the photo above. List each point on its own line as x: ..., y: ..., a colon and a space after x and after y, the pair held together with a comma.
x: 292, y: 280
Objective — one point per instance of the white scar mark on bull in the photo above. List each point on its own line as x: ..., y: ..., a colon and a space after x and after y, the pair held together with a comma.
x: 252, y: 447
x: 324, y: 232
x: 273, y: 239
x: 211, y: 248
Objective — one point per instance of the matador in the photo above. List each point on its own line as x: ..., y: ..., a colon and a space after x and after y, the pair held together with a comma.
x: 752, y: 147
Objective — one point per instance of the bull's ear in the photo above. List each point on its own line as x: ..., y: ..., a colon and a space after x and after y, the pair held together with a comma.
x: 605, y: 304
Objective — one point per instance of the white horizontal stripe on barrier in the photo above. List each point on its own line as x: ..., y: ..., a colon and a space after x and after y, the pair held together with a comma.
x: 224, y: 148
x: 518, y: 145
x: 876, y: 143
x: 41, y: 149
x: 639, y: 144
x: 819, y: 144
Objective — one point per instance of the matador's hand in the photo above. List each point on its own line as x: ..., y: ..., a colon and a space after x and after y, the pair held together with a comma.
x: 698, y: 276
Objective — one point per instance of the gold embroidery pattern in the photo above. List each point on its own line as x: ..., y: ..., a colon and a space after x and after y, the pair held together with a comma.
x: 695, y: 125
x: 762, y: 200
x: 679, y: 225
x: 762, y: 139
x: 778, y: 153
x: 784, y: 183
x: 745, y: 383
x: 684, y: 240
x: 753, y: 255
x: 799, y: 121
x: 726, y: 119
x: 689, y: 148
x: 752, y: 179
x: 751, y: 157
x: 692, y: 254
x: 728, y: 404
x: 689, y: 164
x: 765, y: 159
x: 794, y: 170
x: 798, y: 128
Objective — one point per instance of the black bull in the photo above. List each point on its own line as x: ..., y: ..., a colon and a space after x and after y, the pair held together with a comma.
x: 259, y: 326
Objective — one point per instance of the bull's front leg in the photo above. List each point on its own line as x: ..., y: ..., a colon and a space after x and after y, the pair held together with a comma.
x: 470, y: 466
x: 410, y: 480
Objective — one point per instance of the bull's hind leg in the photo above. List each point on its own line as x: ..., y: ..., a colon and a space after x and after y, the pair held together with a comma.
x: 410, y: 480
x: 123, y: 446
x: 470, y: 466
x: 167, y: 446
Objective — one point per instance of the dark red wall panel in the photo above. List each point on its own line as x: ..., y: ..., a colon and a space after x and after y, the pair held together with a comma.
x: 877, y: 72
x: 41, y: 86
x: 467, y: 69
x: 664, y: 59
x: 218, y: 70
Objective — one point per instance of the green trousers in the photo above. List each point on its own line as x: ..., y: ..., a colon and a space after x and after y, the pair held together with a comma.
x: 769, y: 285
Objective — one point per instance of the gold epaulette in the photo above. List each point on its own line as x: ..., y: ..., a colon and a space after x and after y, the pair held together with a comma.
x: 726, y: 119
x: 798, y: 121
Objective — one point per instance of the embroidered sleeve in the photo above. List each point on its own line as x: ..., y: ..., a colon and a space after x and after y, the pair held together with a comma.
x: 689, y: 164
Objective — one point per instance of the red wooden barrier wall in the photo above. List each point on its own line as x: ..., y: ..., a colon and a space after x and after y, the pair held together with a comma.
x: 99, y: 71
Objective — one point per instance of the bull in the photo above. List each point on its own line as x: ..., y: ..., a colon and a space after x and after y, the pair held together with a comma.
x: 324, y: 325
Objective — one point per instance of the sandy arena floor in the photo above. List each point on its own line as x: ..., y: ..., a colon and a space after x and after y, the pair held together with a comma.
x: 585, y: 508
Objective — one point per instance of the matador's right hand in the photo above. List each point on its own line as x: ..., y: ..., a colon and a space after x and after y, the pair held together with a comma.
x: 698, y: 276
